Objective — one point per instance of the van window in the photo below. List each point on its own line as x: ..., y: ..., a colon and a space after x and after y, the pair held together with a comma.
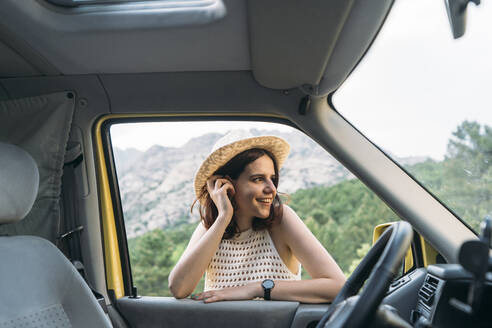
x: 430, y: 104
x: 156, y: 163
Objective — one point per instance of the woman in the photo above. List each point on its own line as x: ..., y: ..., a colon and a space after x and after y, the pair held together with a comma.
x: 248, y: 243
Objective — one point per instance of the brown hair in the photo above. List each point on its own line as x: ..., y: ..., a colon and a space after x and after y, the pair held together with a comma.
x: 233, y: 168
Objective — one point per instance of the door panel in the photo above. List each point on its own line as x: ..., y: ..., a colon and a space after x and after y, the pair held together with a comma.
x: 169, y: 312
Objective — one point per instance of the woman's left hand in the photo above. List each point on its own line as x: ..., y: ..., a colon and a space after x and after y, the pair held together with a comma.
x: 246, y: 292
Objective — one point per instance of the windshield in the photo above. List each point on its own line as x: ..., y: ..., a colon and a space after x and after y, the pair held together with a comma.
x: 424, y: 98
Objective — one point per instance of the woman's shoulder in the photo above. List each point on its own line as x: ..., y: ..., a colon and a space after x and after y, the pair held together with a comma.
x: 288, y: 220
x: 289, y: 214
x: 287, y: 231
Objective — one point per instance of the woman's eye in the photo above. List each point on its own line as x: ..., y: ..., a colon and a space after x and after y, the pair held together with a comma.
x: 257, y: 179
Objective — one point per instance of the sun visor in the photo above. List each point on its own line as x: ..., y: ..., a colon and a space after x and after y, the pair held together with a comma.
x: 360, y: 29
x: 40, y: 125
x: 313, y: 45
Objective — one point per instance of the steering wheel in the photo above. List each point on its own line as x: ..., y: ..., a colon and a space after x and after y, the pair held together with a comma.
x: 380, y: 266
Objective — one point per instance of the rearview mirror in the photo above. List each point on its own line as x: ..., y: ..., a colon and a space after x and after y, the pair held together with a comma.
x: 456, y: 10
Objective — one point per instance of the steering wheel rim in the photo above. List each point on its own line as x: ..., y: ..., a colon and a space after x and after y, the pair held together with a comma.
x: 380, y: 266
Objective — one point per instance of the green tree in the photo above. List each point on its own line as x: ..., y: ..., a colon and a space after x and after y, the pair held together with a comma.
x: 344, y: 215
x: 361, y: 252
x: 151, y: 260
x: 463, y: 180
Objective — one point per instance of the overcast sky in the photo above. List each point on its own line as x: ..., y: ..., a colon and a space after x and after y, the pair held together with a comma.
x: 175, y: 134
x: 417, y: 83
x: 409, y: 93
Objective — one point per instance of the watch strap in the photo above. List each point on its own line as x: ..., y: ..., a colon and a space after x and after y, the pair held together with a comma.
x: 267, y: 288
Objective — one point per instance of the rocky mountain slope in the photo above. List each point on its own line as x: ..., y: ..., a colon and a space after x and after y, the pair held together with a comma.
x: 156, y: 186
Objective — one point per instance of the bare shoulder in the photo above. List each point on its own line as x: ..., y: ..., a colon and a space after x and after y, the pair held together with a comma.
x: 290, y: 227
x: 290, y: 219
x: 306, y: 248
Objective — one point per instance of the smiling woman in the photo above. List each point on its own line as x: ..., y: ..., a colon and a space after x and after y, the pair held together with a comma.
x: 156, y: 188
x: 249, y: 244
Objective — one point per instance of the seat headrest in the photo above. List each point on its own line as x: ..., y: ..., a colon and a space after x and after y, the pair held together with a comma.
x: 19, y: 182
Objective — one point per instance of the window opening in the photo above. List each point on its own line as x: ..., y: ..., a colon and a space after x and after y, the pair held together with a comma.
x: 155, y: 165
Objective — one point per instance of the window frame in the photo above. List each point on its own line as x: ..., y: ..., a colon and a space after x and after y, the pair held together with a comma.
x: 115, y: 242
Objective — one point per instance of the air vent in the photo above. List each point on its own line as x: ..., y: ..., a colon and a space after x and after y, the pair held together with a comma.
x: 428, y: 290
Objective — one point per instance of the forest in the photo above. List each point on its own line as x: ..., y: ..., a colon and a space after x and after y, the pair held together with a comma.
x: 342, y: 216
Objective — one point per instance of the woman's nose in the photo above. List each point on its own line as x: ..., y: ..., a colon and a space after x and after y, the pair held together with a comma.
x: 270, y: 187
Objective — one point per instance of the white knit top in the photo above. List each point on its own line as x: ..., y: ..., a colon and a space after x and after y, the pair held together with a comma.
x: 246, y: 258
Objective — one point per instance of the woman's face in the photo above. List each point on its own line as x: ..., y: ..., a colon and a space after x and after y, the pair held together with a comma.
x: 255, y: 189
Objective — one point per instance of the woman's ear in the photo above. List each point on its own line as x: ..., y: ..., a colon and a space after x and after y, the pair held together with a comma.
x: 233, y: 203
x: 233, y: 181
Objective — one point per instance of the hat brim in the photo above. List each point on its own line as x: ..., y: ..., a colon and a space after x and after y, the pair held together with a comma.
x: 275, y: 145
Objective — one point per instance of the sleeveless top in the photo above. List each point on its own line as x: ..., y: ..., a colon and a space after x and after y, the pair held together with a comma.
x: 246, y: 258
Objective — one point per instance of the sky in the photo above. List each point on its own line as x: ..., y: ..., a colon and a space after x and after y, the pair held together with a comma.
x: 408, y: 94
x: 417, y: 84
x: 142, y: 136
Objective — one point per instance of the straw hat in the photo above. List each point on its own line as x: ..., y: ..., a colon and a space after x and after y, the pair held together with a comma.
x: 232, y: 144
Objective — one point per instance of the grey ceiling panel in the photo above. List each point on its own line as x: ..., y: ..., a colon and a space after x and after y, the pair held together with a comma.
x: 19, y: 58
x: 312, y: 44
x: 114, y: 42
x: 11, y: 64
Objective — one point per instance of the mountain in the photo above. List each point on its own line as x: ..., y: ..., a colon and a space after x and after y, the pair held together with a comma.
x: 125, y: 157
x: 156, y: 186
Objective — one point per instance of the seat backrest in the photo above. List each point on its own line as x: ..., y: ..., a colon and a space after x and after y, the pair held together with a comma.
x: 39, y: 287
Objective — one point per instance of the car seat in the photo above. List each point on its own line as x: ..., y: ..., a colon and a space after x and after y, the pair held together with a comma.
x: 39, y: 287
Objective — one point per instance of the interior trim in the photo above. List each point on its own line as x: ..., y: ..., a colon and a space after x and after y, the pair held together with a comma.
x: 114, y: 275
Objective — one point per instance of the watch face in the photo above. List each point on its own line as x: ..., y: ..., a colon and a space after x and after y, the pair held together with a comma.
x: 268, y: 283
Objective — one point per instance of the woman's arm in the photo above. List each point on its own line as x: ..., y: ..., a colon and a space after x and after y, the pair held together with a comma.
x: 195, y: 259
x: 327, y: 277
x: 316, y: 290
x: 203, y: 243
x: 319, y: 290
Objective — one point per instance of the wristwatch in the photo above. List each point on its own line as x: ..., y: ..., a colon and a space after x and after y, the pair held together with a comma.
x: 267, y: 285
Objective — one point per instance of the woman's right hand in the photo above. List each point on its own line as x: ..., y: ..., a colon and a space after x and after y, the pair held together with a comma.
x: 219, y: 187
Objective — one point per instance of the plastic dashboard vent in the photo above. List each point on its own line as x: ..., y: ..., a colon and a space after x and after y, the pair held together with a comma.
x: 428, y: 290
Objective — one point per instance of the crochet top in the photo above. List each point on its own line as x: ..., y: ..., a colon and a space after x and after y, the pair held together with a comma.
x: 246, y: 258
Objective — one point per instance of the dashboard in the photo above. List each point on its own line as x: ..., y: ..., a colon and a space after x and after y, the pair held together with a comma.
x: 445, y: 295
